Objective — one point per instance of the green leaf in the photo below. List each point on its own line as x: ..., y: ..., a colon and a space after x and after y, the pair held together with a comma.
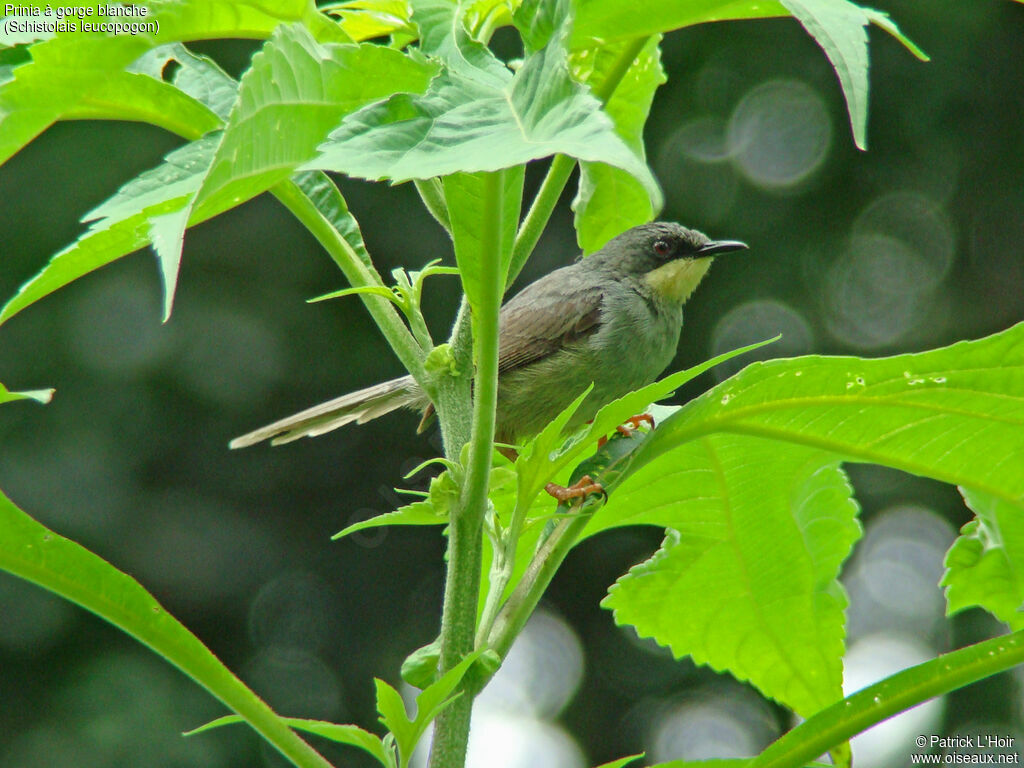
x: 464, y: 193
x: 367, y: 19
x: 716, y: 763
x: 196, y: 75
x: 609, y: 200
x: 715, y: 590
x: 622, y: 762
x: 545, y: 455
x: 301, y: 88
x: 475, y: 117
x: 123, y: 223
x: 352, y: 735
x: 70, y: 70
x: 417, y: 513
x: 985, y: 566
x: 945, y: 413
x: 954, y: 414
x: 539, y: 20
x: 869, y: 706
x: 329, y: 202
x: 294, y: 84
x: 39, y: 395
x: 837, y: 25
x: 443, y: 34
x: 599, y: 22
x: 429, y: 703
x: 34, y: 553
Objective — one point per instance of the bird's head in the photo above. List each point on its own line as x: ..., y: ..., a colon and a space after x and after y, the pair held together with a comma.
x: 670, y: 258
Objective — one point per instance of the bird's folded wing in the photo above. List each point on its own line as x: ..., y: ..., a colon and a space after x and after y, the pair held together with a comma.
x: 545, y: 318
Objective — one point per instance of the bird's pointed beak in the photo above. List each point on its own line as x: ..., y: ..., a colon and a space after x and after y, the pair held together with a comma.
x: 718, y: 247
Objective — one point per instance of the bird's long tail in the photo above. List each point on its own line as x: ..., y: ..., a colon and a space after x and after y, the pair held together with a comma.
x: 359, y: 407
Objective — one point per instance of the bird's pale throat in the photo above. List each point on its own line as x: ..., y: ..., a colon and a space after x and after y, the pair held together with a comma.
x: 678, y: 279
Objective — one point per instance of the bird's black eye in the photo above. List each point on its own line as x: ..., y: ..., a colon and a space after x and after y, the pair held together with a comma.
x: 662, y: 247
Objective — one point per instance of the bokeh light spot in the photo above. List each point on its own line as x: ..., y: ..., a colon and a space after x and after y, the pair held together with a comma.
x: 779, y: 134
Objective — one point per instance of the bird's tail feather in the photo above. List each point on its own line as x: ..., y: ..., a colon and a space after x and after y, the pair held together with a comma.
x: 358, y: 407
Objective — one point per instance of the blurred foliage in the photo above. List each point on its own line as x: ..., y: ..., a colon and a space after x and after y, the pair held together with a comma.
x: 909, y: 246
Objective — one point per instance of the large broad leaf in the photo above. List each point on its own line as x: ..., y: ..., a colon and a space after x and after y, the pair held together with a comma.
x: 478, y: 116
x: 69, y: 72
x: 32, y: 552
x: 717, y: 590
x: 299, y: 89
x: 837, y: 25
x: 294, y: 75
x: 609, y: 200
x: 955, y: 414
x: 985, y: 566
x: 295, y: 87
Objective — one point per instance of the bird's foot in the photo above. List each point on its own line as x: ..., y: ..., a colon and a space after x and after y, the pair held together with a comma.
x: 578, y: 490
x: 629, y: 426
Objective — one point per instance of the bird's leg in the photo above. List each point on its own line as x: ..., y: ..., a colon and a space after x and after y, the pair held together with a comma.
x: 578, y: 490
x: 632, y: 423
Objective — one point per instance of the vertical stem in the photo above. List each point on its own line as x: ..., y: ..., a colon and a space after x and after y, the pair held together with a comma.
x: 458, y: 620
x: 561, y: 167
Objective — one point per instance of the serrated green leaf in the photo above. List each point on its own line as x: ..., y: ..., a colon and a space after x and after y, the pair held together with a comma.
x: 39, y: 395
x: 954, y: 414
x: 296, y: 82
x: 34, y: 553
x: 299, y: 88
x: 716, y: 590
x: 473, y: 119
x: 352, y: 735
x: 943, y: 414
x: 394, y: 717
x: 417, y: 513
x: 609, y: 201
x: 837, y: 25
x: 328, y: 200
x: 167, y: 236
x: 69, y: 69
x: 123, y: 223
x: 196, y: 75
x: 985, y: 565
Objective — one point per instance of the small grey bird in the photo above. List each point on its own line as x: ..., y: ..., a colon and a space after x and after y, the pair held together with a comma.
x: 612, y: 318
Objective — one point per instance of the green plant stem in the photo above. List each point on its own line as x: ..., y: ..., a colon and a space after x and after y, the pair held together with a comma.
x: 542, y: 569
x: 432, y: 195
x: 462, y: 587
x: 878, y: 702
x: 561, y: 168
x: 358, y: 274
x: 455, y: 406
x: 541, y: 208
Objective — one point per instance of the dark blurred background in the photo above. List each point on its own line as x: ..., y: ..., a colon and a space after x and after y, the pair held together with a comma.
x: 911, y: 245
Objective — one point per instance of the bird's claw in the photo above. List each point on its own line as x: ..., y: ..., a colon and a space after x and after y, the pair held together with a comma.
x: 578, y: 490
x: 629, y: 426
